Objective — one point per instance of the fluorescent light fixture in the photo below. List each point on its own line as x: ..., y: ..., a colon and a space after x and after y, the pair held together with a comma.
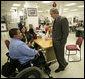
x: 46, y: 1
x: 23, y: 8
x: 25, y: 5
x: 40, y: 11
x: 80, y: 6
x: 74, y: 10
x: 64, y: 11
x: 37, y: 6
x: 20, y: 13
x: 65, y: 8
x: 13, y: 8
x: 71, y: 4
x: 16, y: 5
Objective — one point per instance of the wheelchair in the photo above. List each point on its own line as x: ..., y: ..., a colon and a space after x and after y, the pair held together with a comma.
x: 27, y: 70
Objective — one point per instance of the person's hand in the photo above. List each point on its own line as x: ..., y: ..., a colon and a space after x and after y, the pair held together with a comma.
x: 37, y: 54
x: 29, y: 44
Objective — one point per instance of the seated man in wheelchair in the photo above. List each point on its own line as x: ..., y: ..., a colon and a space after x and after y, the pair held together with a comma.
x: 20, y: 51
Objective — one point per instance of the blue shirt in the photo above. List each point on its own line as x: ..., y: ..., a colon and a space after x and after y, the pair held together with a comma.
x: 19, y: 50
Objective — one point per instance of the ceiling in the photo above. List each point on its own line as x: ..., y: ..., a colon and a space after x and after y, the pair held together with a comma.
x: 6, y: 5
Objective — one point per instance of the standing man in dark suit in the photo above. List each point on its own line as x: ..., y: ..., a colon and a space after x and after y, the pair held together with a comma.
x: 59, y: 37
x: 20, y: 25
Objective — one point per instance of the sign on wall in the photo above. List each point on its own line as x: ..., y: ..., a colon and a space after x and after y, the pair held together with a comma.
x: 32, y: 11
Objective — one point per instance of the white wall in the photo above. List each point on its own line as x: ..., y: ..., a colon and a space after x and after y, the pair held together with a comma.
x: 80, y: 15
x: 72, y: 14
x: 45, y: 15
x: 32, y: 20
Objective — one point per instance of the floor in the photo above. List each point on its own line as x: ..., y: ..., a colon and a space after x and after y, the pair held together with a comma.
x: 73, y: 70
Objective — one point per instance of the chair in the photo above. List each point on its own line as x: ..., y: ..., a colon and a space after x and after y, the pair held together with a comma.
x: 75, y: 48
x: 46, y: 29
x: 7, y: 42
x: 16, y: 63
x: 37, y: 28
x: 20, y: 67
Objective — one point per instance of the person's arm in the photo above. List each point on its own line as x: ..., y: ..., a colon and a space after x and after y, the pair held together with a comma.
x: 65, y: 29
x: 26, y: 51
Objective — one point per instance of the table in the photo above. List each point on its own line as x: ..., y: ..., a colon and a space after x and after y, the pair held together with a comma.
x: 48, y: 47
x: 43, y: 43
x: 80, y: 32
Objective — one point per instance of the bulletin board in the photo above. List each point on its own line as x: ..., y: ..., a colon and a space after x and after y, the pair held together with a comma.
x: 3, y: 27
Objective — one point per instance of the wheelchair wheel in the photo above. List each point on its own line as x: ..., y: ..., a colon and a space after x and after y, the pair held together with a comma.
x: 30, y: 72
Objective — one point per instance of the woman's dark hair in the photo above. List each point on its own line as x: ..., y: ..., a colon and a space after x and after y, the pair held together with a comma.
x: 13, y: 32
x: 25, y: 28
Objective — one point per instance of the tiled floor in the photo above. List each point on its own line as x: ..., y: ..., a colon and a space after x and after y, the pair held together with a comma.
x: 73, y: 70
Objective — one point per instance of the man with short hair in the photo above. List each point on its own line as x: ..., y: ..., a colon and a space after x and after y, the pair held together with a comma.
x: 60, y: 32
x: 19, y: 50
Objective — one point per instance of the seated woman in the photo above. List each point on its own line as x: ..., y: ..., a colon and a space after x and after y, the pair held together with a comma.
x: 31, y: 31
x: 27, y: 37
x: 49, y: 32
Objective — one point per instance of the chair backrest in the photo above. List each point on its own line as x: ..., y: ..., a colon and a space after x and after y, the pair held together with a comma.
x: 7, y: 42
x: 79, y: 41
x: 18, y: 65
x: 46, y: 29
x: 37, y: 28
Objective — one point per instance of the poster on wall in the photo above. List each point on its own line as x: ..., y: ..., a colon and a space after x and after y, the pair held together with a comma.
x: 32, y: 11
x: 3, y: 27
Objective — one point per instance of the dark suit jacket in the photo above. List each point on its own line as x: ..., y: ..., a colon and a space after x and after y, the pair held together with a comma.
x: 60, y: 30
x: 20, y: 26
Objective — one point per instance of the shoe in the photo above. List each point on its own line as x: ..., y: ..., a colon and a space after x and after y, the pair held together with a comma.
x: 66, y: 65
x: 47, y: 70
x: 63, y: 67
x: 59, y: 69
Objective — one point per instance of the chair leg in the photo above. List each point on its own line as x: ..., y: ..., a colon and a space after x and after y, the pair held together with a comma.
x: 80, y: 55
x: 68, y: 55
x: 66, y: 52
x: 71, y: 54
x: 74, y: 54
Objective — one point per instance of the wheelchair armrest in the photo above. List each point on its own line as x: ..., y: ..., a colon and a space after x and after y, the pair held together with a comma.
x: 32, y: 61
x: 7, y: 54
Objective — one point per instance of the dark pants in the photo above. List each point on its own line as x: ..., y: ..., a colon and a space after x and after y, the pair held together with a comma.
x: 59, y: 52
x: 40, y: 61
x: 37, y: 61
